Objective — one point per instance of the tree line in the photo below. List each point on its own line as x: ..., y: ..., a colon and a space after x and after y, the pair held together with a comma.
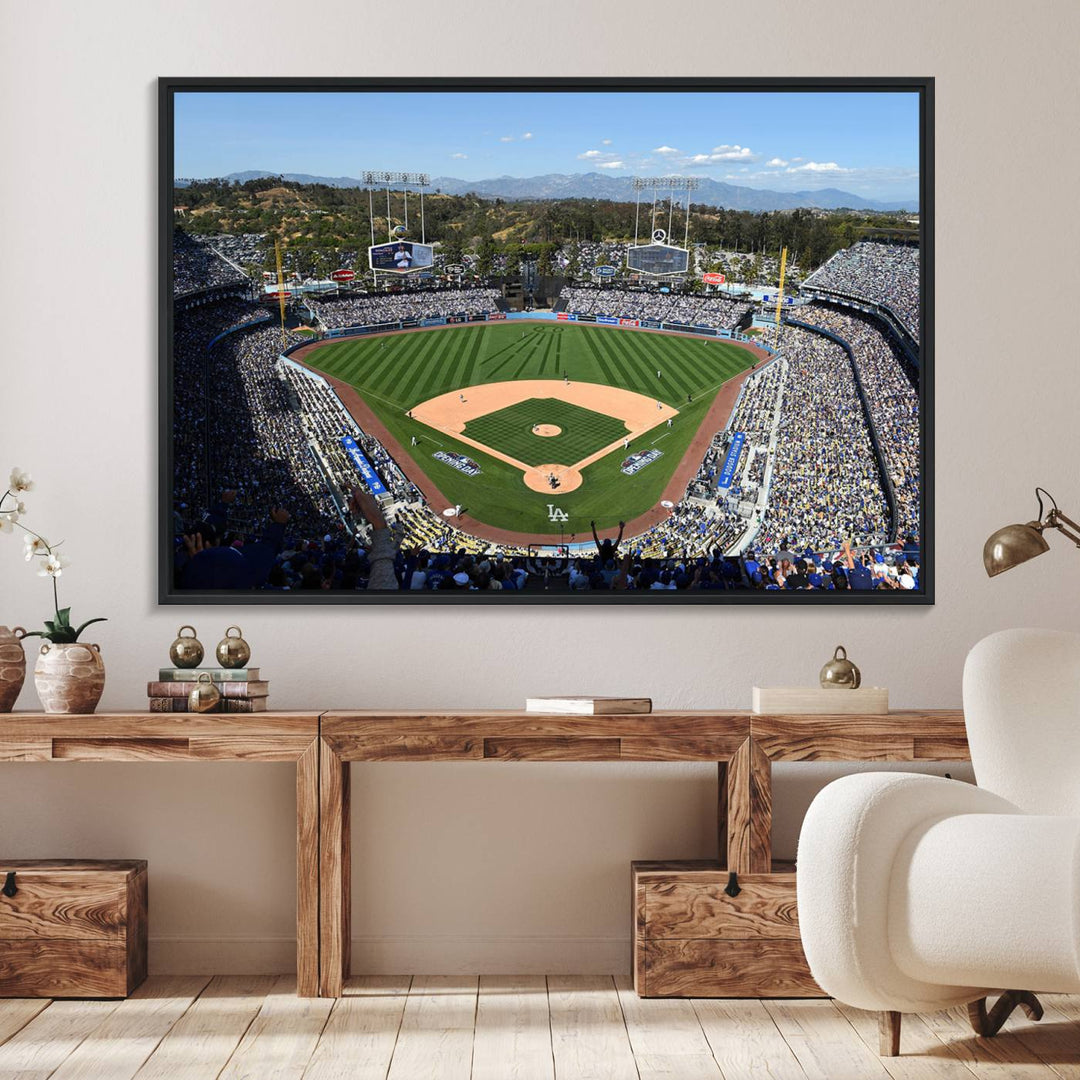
x: 311, y: 218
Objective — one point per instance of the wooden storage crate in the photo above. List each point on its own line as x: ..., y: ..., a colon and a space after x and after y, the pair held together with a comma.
x: 72, y: 928
x: 692, y: 939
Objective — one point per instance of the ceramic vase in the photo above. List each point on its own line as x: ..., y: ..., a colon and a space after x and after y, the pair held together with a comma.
x: 69, y: 678
x: 12, y: 666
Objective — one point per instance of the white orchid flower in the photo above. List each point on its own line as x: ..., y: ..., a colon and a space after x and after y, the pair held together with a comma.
x: 53, y: 566
x: 34, y: 545
x: 20, y: 481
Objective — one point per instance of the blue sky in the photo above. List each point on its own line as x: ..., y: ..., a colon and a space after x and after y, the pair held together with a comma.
x: 866, y: 143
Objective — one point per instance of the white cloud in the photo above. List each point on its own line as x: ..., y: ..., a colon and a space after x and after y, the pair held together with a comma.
x: 776, y: 161
x: 460, y: 157
x: 589, y: 154
x: 612, y: 165
x: 665, y: 150
x: 506, y: 138
x: 527, y: 135
x: 605, y: 142
x: 819, y: 167
x: 723, y: 153
x: 733, y: 153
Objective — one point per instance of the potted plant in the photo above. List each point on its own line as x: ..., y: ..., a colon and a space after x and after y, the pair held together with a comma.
x: 69, y: 674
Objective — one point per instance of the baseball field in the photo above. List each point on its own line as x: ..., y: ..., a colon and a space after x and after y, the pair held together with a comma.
x: 549, y: 413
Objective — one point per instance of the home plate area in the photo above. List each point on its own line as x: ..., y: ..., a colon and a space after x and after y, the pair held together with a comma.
x: 550, y: 429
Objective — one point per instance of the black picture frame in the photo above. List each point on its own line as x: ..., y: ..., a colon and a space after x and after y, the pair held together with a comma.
x: 168, y: 87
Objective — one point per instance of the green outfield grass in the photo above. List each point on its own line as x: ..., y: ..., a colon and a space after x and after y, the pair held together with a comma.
x: 510, y: 431
x: 396, y: 372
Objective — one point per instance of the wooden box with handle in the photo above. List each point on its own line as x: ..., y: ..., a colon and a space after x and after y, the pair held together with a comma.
x: 701, y: 931
x: 72, y: 928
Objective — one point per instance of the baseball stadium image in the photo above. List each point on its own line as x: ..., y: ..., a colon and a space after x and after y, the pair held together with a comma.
x: 653, y: 344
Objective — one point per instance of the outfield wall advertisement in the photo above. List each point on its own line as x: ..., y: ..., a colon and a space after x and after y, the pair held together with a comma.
x: 542, y: 316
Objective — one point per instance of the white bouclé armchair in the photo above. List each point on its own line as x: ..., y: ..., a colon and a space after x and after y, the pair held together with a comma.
x: 918, y: 893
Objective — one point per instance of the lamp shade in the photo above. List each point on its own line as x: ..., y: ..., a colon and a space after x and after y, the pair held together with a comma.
x: 1012, y: 545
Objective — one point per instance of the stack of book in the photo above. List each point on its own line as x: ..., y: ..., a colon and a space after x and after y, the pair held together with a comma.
x: 241, y: 689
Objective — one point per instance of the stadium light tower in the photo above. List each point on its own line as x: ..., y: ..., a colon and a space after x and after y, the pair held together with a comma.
x: 671, y: 184
x: 372, y: 177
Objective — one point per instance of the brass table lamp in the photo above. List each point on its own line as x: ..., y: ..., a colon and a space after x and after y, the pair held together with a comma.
x: 1014, y: 544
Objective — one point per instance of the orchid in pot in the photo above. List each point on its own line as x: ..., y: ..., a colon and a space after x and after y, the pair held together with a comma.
x: 69, y: 675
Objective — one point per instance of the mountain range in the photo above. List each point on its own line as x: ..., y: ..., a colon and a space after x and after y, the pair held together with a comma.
x: 593, y: 185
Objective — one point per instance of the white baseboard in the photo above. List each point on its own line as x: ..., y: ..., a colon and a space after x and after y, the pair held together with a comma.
x: 430, y: 954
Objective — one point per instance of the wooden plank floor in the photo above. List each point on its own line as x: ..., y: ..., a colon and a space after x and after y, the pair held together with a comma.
x: 524, y: 1027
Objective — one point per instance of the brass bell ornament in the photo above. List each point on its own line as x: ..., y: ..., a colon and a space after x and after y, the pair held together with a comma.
x: 204, y: 696
x: 233, y: 652
x: 186, y: 651
x: 840, y: 673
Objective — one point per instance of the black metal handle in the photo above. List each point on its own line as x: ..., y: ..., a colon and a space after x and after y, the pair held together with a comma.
x: 732, y: 887
x: 9, y: 884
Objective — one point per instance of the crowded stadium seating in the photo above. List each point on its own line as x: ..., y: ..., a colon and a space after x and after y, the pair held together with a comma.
x: 197, y: 267
x: 713, y: 311
x: 886, y: 275
x: 341, y: 311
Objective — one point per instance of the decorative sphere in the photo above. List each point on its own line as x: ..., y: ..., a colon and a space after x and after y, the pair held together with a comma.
x: 186, y: 651
x: 233, y: 652
x: 400, y: 231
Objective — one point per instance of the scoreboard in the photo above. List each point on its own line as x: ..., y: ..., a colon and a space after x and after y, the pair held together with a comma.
x: 658, y: 259
x: 400, y: 257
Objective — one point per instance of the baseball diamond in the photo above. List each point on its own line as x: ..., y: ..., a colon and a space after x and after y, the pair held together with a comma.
x: 512, y: 431
x: 488, y: 391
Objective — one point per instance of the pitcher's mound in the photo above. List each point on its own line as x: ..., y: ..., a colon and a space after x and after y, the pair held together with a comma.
x: 539, y: 479
x: 546, y: 429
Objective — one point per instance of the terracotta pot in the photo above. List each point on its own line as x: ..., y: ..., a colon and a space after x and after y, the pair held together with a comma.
x: 69, y: 678
x: 12, y: 666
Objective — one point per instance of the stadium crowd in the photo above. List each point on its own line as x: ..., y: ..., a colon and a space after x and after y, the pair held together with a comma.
x: 714, y: 311
x: 893, y: 402
x: 826, y: 486
x: 198, y: 266
x: 337, y: 312
x: 875, y: 273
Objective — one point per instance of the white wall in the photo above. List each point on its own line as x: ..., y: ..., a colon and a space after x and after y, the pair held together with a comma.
x: 494, y: 867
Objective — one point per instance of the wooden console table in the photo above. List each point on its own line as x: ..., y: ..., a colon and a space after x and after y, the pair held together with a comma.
x: 743, y: 745
x: 261, y: 737
x: 323, y: 745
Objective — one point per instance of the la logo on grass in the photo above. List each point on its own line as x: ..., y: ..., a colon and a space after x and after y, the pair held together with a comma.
x: 555, y: 514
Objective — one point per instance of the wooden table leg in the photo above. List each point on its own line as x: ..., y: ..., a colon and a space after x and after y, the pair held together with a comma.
x: 307, y: 872
x: 749, y: 810
x: 334, y: 872
x: 722, y: 813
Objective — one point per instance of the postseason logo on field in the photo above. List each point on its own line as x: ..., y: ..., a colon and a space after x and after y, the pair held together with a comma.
x: 636, y: 462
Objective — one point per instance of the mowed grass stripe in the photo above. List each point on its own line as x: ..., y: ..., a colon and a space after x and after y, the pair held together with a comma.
x: 416, y: 367
x: 436, y: 365
x: 513, y: 353
x: 388, y: 356
x: 691, y: 375
x: 352, y: 360
x: 649, y: 360
x: 693, y: 369
x: 410, y: 368
x: 530, y: 362
x: 479, y: 341
x: 627, y: 372
x: 550, y: 363
x: 601, y: 361
x: 440, y: 364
